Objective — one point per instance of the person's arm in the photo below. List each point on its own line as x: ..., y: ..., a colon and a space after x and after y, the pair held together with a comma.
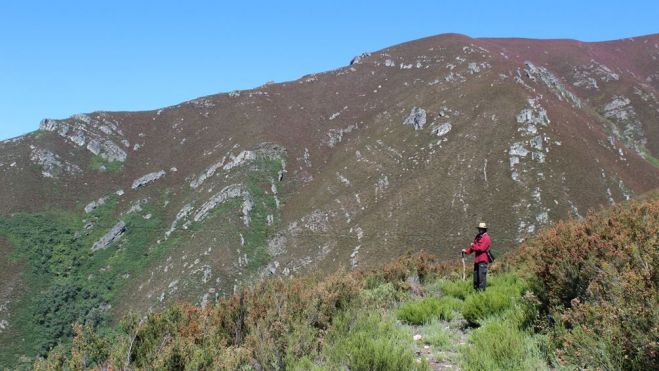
x: 469, y: 250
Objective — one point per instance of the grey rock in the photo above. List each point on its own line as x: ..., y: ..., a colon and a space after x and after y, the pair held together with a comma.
x: 148, y: 178
x: 210, y: 171
x: 537, y: 142
x: 248, y: 205
x: 231, y: 191
x: 552, y: 82
x: 335, y: 136
x: 442, y: 129
x: 95, y: 204
x: 416, y: 118
x: 587, y: 76
x: 78, y: 138
x: 51, y: 164
x: 240, y: 159
x: 183, y: 213
x: 107, y: 149
x: 625, y: 124
x: 113, y: 235
x: 517, y: 149
x: 532, y: 116
x: 264, y: 150
x: 358, y: 59
x: 96, y: 134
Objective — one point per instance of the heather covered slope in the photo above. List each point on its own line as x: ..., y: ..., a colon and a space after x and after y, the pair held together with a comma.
x: 402, y: 150
x: 555, y: 303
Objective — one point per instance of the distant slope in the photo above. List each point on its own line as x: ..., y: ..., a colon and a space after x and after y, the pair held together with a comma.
x: 404, y: 149
x: 555, y: 303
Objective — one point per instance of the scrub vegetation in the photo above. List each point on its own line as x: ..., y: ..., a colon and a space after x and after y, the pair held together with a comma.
x: 539, y: 312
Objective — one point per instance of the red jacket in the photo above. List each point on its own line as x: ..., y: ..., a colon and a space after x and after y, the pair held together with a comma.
x: 480, y: 247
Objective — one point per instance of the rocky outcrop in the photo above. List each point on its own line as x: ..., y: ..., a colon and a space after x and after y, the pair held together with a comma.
x: 210, y: 171
x: 416, y: 118
x: 587, y: 76
x: 97, y: 134
x: 532, y: 116
x: 148, y: 178
x: 51, y: 164
x: 360, y: 58
x: 183, y: 213
x: 113, y: 235
x: 95, y: 204
x: 442, y: 129
x: 231, y: 191
x: 335, y: 136
x: 532, y: 119
x: 626, y: 125
x: 107, y: 150
x: 265, y: 150
x: 240, y: 159
x: 552, y: 82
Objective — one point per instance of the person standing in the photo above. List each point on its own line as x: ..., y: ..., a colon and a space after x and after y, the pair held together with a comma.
x: 481, y: 259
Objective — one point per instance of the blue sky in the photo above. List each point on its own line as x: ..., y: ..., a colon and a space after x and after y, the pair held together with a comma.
x: 62, y: 57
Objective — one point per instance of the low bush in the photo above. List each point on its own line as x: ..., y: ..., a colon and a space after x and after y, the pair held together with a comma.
x: 424, y: 310
x: 479, y: 306
x: 418, y: 312
x: 456, y: 288
x: 500, y: 296
x: 501, y: 345
x: 598, y: 279
x: 382, y: 296
x: 370, y: 341
x: 435, y: 334
x: 98, y: 163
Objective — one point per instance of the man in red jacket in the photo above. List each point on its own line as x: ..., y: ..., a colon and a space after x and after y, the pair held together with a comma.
x: 480, y: 246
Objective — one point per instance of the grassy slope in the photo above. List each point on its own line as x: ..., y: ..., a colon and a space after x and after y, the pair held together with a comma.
x: 66, y: 282
x: 539, y: 312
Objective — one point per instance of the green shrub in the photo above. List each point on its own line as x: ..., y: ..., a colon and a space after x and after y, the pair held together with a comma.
x: 494, y: 300
x: 456, y: 288
x: 419, y: 312
x: 424, y: 310
x: 448, y: 306
x: 501, y: 345
x: 97, y: 163
x: 482, y: 305
x: 435, y: 334
x: 305, y: 363
x: 381, y: 296
x: 369, y: 341
x: 509, y: 281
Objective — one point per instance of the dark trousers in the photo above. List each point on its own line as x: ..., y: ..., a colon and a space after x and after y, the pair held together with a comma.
x: 480, y: 276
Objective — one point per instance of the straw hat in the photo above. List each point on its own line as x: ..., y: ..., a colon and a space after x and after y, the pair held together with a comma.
x: 482, y: 226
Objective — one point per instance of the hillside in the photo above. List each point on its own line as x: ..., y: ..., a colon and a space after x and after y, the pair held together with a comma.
x: 404, y: 149
x: 555, y: 303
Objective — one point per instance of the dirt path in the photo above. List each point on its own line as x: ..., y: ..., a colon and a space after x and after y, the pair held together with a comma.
x: 441, y: 357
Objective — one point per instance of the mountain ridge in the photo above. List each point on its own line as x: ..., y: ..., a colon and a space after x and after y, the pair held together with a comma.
x: 404, y: 149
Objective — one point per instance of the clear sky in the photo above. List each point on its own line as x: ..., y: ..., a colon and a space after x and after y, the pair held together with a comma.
x: 61, y: 57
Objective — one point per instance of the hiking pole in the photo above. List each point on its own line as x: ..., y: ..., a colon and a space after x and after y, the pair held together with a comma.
x: 463, y: 265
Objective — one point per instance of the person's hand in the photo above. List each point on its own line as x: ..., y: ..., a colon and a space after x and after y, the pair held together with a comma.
x: 464, y: 251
